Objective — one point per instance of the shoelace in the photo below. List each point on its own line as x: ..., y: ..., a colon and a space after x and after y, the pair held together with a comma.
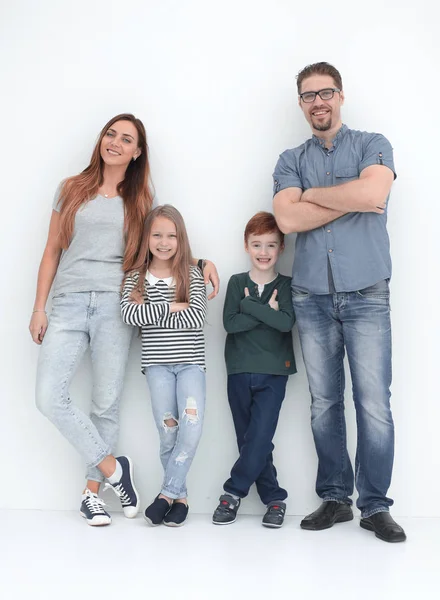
x: 94, y: 503
x: 119, y: 490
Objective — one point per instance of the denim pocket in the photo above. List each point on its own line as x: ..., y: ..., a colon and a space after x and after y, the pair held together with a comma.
x: 299, y: 294
x: 379, y: 290
x: 58, y: 296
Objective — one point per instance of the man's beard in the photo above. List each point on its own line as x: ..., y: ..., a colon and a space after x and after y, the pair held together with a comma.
x: 323, y: 126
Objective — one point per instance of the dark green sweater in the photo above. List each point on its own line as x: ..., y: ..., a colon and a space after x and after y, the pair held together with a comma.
x: 259, y: 338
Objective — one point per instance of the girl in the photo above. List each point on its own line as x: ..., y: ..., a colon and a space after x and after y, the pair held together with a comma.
x: 166, y: 297
x: 95, y: 230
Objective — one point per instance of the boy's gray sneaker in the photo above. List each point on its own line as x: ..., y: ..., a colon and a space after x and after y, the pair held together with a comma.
x: 226, y: 511
x: 274, y: 516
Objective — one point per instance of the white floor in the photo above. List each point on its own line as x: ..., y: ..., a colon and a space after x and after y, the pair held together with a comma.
x: 56, y: 555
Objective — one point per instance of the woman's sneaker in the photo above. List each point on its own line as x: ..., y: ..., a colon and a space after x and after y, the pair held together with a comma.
x: 125, y: 489
x: 226, y: 511
x: 91, y: 509
x: 274, y: 516
x: 155, y: 513
x: 177, y: 514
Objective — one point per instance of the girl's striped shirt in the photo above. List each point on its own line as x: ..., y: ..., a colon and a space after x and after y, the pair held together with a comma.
x: 167, y: 338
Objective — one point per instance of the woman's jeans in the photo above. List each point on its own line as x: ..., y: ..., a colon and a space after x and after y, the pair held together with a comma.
x: 77, y: 320
x: 358, y: 322
x: 175, y: 389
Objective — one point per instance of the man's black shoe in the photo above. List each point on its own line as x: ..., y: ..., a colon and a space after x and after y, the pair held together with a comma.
x: 327, y: 515
x: 384, y: 526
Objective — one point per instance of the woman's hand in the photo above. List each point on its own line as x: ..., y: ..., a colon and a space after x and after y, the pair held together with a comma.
x: 211, y: 276
x: 38, y: 326
x: 136, y: 297
x: 178, y: 306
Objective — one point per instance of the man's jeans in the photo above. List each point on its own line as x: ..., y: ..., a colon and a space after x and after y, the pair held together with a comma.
x: 360, y: 323
x: 77, y: 320
x: 175, y: 389
x: 255, y: 401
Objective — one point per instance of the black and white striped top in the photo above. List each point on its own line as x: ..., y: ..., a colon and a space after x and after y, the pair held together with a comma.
x: 167, y: 338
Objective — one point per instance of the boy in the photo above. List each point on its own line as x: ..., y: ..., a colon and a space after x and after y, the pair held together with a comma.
x: 258, y: 317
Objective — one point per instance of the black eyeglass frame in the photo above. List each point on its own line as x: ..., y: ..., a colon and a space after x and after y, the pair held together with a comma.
x: 318, y: 93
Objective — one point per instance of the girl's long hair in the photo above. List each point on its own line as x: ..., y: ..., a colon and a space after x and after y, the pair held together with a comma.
x: 134, y: 190
x: 181, y: 260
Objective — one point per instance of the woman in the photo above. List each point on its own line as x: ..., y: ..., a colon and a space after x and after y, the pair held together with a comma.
x: 95, y: 231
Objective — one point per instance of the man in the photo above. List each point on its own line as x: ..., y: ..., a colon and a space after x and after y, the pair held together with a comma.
x: 333, y: 191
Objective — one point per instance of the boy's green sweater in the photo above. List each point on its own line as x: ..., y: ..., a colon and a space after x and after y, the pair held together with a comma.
x: 259, y: 337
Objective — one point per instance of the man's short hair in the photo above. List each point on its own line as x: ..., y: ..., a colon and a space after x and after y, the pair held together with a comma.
x: 261, y: 223
x: 320, y: 68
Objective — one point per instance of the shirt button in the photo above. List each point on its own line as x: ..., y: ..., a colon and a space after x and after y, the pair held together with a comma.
x: 328, y: 230
x: 330, y: 250
x: 328, y: 173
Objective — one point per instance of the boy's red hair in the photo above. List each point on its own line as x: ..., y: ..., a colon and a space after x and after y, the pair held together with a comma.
x: 262, y: 222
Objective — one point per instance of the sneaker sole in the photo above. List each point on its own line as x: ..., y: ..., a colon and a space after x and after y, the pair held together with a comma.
x: 272, y: 525
x: 91, y: 523
x: 136, y: 508
x: 224, y: 522
x: 341, y: 519
x: 171, y: 524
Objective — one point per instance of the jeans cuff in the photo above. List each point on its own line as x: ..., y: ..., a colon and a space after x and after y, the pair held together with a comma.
x: 338, y: 500
x: 369, y: 513
x: 95, y: 478
x: 173, y: 495
x: 103, y: 454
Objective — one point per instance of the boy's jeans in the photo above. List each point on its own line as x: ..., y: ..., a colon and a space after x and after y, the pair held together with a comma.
x: 255, y: 401
x: 174, y: 389
x: 360, y: 322
x: 77, y: 320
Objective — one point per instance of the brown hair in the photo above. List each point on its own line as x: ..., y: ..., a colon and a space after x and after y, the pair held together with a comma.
x: 320, y: 68
x: 181, y: 260
x: 134, y: 190
x: 262, y: 222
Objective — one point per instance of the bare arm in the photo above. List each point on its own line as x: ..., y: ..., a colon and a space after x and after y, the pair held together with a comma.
x: 369, y: 193
x: 46, y: 273
x: 293, y: 215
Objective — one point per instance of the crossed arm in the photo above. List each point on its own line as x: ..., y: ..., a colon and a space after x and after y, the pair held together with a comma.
x: 298, y: 211
x: 245, y: 313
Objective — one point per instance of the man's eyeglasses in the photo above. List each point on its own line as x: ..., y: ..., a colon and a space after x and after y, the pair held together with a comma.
x: 325, y: 94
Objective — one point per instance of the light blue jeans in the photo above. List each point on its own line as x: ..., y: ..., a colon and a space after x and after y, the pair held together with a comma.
x: 77, y: 320
x: 174, y: 389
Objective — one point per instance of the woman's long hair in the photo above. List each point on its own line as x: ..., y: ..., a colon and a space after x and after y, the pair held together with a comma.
x: 181, y: 260
x: 134, y: 190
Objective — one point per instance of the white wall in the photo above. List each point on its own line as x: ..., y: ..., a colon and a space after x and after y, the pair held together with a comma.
x: 214, y: 84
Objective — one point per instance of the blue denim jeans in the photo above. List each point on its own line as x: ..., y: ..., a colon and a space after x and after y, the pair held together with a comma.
x: 358, y: 322
x: 255, y: 400
x: 77, y: 320
x: 174, y: 389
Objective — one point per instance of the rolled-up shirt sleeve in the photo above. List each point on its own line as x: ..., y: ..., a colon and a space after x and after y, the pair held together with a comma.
x: 286, y: 173
x: 377, y: 151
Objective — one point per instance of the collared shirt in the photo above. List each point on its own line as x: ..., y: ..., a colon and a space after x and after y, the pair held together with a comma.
x: 354, y: 247
x: 167, y: 338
